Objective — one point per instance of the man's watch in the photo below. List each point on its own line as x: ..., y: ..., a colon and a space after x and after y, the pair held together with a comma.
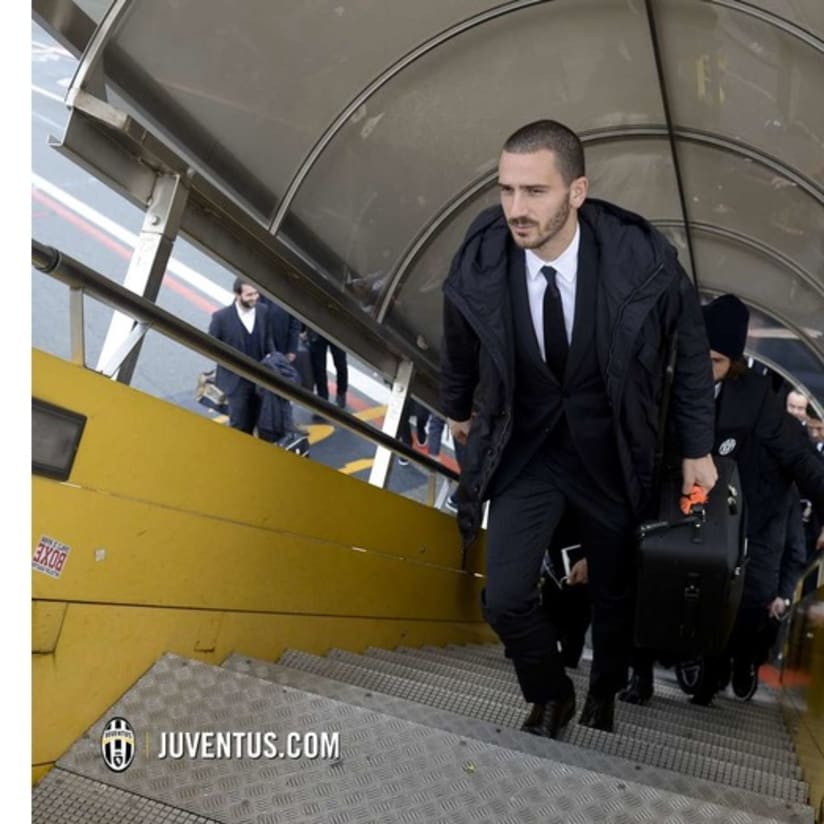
x: 787, y: 602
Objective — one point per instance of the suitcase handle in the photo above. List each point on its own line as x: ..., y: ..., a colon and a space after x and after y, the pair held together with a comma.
x: 696, y: 520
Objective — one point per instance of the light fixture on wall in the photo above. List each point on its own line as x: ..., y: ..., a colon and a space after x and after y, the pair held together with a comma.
x: 55, y: 437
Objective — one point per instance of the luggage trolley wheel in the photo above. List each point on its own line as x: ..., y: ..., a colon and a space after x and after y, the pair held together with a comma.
x: 688, y: 674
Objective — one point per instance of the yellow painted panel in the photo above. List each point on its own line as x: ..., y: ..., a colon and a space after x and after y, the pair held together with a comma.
x: 135, y: 446
x: 39, y: 771
x: 130, y: 552
x: 46, y: 620
x: 103, y: 650
x: 802, y: 695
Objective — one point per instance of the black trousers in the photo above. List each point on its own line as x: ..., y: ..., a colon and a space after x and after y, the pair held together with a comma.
x: 522, y: 520
x: 421, y: 414
x: 244, y: 406
x: 317, y: 353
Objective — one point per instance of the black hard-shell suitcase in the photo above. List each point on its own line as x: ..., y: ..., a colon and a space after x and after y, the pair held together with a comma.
x: 691, y: 569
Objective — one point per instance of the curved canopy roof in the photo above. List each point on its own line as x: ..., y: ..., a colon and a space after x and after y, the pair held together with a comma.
x: 350, y: 142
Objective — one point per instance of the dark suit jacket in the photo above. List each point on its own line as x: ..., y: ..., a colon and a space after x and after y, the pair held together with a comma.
x: 285, y: 328
x: 226, y: 326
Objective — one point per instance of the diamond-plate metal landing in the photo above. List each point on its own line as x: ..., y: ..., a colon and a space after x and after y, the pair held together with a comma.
x: 389, y: 770
x: 508, y: 713
x: 65, y: 798
x: 732, y: 797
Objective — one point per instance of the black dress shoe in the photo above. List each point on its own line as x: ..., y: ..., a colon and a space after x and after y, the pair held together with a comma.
x: 549, y: 719
x: 638, y: 691
x: 598, y: 713
x: 744, y: 679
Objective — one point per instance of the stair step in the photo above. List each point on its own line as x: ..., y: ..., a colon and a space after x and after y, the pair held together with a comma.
x: 389, y: 769
x: 720, y: 719
x: 763, y: 712
x: 722, y: 747
x: 507, y: 713
x: 733, y: 798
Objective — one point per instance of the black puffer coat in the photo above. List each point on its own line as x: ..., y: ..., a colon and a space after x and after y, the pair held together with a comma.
x: 644, y: 297
x: 772, y: 451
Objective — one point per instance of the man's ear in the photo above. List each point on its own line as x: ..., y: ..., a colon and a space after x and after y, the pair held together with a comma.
x: 578, y: 190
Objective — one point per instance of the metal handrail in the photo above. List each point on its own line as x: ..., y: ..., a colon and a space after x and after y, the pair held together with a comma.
x: 77, y: 275
x: 815, y: 564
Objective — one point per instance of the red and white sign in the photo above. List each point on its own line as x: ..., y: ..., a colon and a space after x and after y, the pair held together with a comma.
x: 50, y: 557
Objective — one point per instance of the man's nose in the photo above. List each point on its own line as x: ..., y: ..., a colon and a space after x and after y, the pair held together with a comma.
x: 518, y: 205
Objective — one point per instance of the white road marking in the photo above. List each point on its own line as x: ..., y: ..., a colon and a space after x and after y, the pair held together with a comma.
x: 374, y: 389
x: 184, y: 272
x: 47, y: 120
x: 45, y: 93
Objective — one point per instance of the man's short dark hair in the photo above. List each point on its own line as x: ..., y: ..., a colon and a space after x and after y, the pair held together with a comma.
x: 549, y: 134
x: 237, y: 288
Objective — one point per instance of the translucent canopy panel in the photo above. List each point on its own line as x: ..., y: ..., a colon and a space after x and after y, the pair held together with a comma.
x: 746, y: 80
x: 808, y: 15
x: 781, y: 348
x: 96, y: 9
x: 437, y: 128
x: 731, y: 265
x: 740, y: 196
x: 257, y: 83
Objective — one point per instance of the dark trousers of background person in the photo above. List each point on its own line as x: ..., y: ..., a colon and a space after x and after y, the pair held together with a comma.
x: 522, y: 520
x: 244, y: 405
x: 435, y: 435
x: 317, y: 352
x: 752, y: 636
x: 421, y: 414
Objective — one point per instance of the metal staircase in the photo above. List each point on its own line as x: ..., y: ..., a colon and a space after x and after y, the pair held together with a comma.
x: 426, y: 735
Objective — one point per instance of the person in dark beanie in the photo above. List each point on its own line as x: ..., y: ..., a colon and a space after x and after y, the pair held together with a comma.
x: 772, y: 453
x: 727, y: 320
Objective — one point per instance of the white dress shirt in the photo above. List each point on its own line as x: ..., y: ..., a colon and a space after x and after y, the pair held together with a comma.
x: 566, y: 266
x: 247, y: 316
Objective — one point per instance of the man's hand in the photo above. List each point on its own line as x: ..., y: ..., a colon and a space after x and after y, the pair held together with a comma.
x: 291, y: 357
x: 579, y: 574
x: 819, y: 544
x: 777, y: 608
x: 699, y: 471
x: 459, y: 429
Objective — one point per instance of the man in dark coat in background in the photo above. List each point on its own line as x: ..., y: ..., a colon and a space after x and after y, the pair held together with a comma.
x: 558, y: 316
x: 245, y: 325
x: 771, y: 450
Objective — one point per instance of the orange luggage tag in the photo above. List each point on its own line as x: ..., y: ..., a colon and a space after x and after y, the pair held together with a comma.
x: 697, y: 495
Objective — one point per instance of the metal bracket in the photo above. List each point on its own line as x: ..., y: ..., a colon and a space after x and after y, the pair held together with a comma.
x: 391, y: 422
x: 77, y: 326
x: 137, y: 334
x: 145, y: 275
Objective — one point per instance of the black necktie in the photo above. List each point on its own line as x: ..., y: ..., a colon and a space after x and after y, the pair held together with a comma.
x: 555, y: 339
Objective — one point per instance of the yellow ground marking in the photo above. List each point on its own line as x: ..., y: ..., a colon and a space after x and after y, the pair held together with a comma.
x: 372, y: 413
x: 356, y: 466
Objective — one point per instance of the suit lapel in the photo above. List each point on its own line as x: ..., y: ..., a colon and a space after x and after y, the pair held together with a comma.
x: 583, y: 335
x: 236, y: 322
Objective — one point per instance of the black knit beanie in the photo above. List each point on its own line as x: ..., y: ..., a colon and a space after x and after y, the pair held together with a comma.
x: 726, y: 319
